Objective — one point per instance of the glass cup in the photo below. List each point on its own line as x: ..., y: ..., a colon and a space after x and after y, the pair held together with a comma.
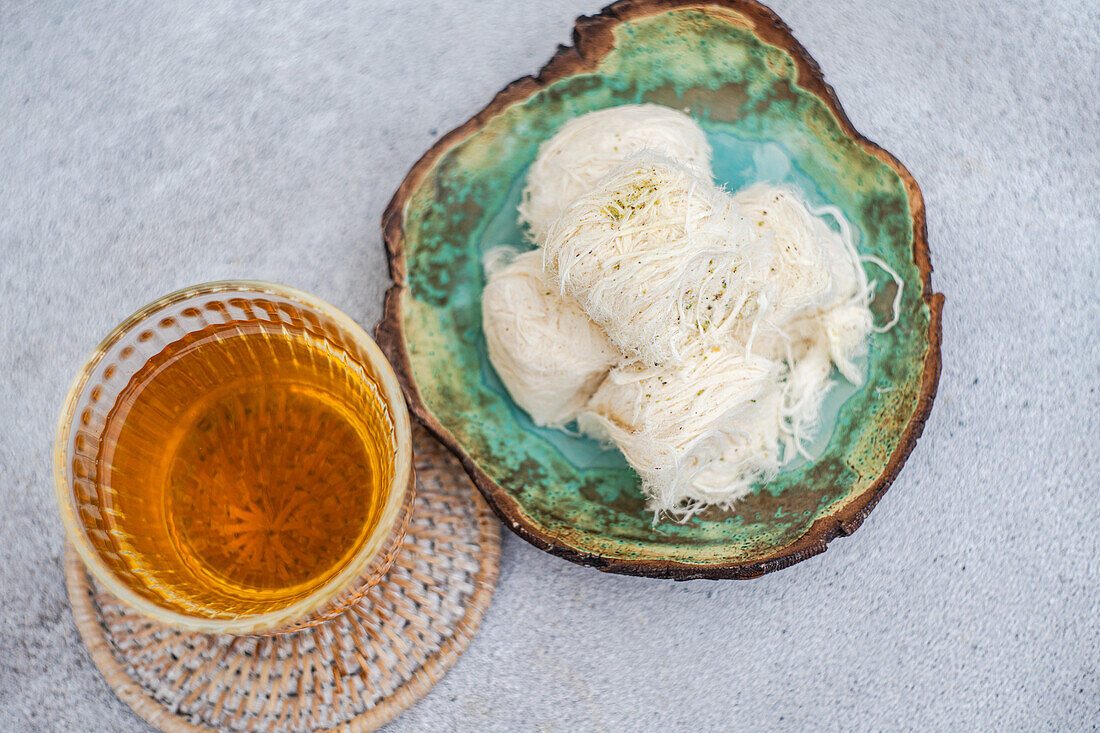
x: 99, y: 495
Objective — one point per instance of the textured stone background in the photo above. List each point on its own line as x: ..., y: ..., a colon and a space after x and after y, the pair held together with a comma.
x: 149, y: 145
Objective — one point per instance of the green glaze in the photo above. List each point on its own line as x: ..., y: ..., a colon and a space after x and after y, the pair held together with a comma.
x: 762, y: 126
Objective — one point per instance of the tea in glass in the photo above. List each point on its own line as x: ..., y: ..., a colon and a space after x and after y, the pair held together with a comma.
x: 241, y: 464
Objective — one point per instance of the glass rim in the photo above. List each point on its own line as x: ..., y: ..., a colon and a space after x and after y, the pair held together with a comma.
x: 392, y: 395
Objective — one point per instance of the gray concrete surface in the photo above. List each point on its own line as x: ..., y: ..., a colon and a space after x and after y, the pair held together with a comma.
x: 148, y: 145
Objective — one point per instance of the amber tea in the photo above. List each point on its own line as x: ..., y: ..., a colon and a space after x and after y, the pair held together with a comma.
x: 242, y: 466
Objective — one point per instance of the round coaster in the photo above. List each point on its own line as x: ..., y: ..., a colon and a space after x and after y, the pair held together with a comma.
x: 358, y: 670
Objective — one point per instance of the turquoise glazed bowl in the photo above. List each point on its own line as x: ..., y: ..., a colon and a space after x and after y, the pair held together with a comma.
x: 770, y: 116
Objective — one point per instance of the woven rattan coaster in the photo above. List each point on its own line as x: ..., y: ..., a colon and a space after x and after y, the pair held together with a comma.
x: 357, y: 671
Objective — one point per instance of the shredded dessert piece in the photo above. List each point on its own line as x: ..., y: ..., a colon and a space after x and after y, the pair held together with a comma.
x: 586, y: 148
x: 549, y: 354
